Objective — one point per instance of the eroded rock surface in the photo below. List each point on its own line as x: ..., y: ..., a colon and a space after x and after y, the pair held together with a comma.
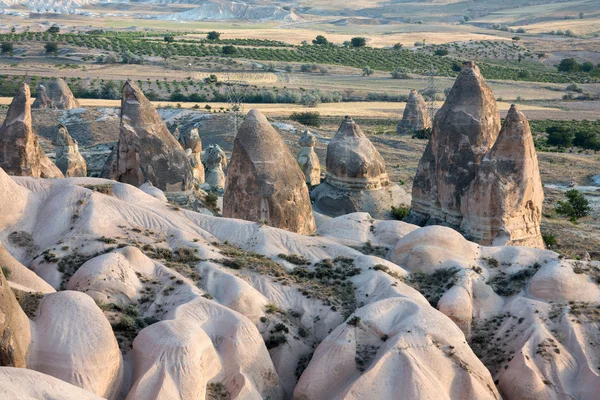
x: 416, y: 116
x: 146, y: 150
x: 464, y: 130
x: 20, y: 150
x: 264, y: 182
x: 55, y: 95
x: 356, y: 178
x: 192, y: 144
x: 215, y: 166
x: 68, y: 159
x: 308, y: 159
x: 503, y: 205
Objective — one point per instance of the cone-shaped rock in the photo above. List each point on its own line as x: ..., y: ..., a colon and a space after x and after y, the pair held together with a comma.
x: 503, y: 205
x: 146, y: 150
x: 356, y: 178
x: 215, y: 165
x: 193, y: 145
x: 308, y: 159
x: 20, y: 151
x: 68, y: 158
x: 264, y: 182
x: 176, y: 134
x: 416, y: 116
x: 464, y: 130
x: 15, y: 330
x: 55, y: 95
x: 352, y: 160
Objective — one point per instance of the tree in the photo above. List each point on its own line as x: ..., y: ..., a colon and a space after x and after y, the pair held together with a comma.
x: 7, y: 48
x: 228, y: 50
x: 399, y: 73
x: 358, y: 42
x: 441, y: 52
x: 581, y: 15
x: 53, y: 29
x: 367, y: 71
x: 51, y: 47
x: 110, y: 91
x: 213, y: 35
x: 398, y: 46
x: 587, y: 140
x: 516, y: 38
x: 568, y: 65
x: 576, y: 206
x: 560, y: 136
x: 320, y: 40
x: 587, y: 66
x: 169, y: 38
x: 307, y: 118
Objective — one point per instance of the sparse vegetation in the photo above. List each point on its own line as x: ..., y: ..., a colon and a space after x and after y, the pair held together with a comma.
x: 433, y: 285
x: 509, y: 285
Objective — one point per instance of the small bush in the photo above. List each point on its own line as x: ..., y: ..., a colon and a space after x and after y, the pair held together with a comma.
x: 400, y: 212
x: 354, y: 321
x: 576, y: 206
x: 307, y: 118
x: 549, y: 240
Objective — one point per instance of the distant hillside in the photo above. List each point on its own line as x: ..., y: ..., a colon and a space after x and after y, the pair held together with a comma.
x: 224, y: 10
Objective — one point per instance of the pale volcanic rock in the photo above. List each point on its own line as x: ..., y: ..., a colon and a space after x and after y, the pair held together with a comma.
x: 146, y: 150
x: 503, y: 205
x: 20, y: 150
x: 55, y: 95
x: 264, y: 182
x: 356, y: 178
x: 74, y: 342
x: 308, y: 159
x: 21, y: 277
x: 215, y: 165
x: 25, y: 384
x: 416, y: 116
x: 68, y: 158
x: 193, y: 145
x: 464, y: 130
x: 15, y: 330
x: 427, y: 360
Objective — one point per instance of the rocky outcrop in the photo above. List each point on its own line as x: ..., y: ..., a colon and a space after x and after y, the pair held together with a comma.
x: 55, y: 95
x: 215, y: 166
x: 193, y: 146
x: 416, y: 116
x: 464, y: 130
x: 356, y: 178
x: 176, y: 134
x: 20, y: 150
x: 264, y: 182
x: 68, y: 158
x: 146, y: 150
x: 308, y: 159
x: 503, y: 205
x: 15, y: 331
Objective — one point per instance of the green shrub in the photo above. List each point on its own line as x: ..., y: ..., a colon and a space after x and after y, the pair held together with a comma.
x: 576, y: 206
x: 307, y: 118
x: 400, y: 212
x: 549, y: 240
x: 354, y: 321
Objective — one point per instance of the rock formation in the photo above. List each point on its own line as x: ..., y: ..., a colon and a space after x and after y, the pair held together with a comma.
x: 176, y: 134
x: 193, y: 146
x: 503, y: 204
x: 215, y: 166
x: 146, y: 150
x: 55, y: 95
x: 356, y: 178
x: 15, y: 332
x: 68, y: 159
x: 308, y: 159
x: 20, y: 150
x: 416, y: 116
x: 264, y: 182
x: 464, y: 130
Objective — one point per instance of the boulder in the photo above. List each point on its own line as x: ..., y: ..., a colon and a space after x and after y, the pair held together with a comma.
x: 193, y: 145
x: 464, y: 130
x: 264, y: 182
x: 55, y: 95
x: 308, y: 159
x: 503, y: 204
x: 20, y: 150
x: 176, y: 134
x: 356, y: 178
x: 416, y: 116
x: 146, y: 150
x: 68, y: 158
x: 215, y: 165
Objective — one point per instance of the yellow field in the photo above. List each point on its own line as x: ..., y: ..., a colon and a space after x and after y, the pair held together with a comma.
x: 376, y: 109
